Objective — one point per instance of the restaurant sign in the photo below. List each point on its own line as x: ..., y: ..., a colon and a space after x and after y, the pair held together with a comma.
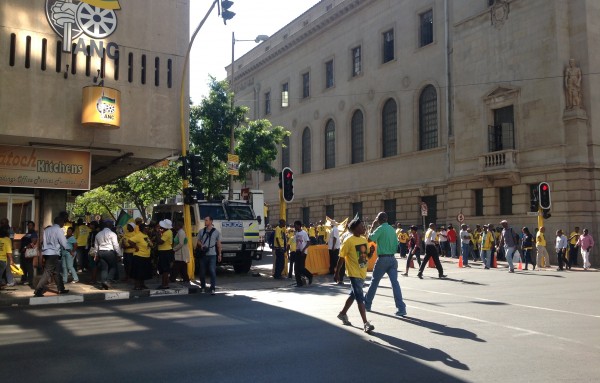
x: 44, y: 168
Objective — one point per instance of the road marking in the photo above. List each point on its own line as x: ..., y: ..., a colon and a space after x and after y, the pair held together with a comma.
x: 506, y: 303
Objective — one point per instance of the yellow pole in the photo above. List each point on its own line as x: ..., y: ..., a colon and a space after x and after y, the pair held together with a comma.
x: 185, y: 141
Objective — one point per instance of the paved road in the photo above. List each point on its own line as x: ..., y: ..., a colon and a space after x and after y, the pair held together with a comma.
x: 477, y: 326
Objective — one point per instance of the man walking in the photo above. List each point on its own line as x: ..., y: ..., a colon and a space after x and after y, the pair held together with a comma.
x: 465, y: 244
x: 107, y: 244
x: 54, y: 241
x: 540, y: 245
x: 302, y: 243
x: 333, y: 244
x: 384, y: 236
x: 431, y: 252
x: 508, y: 241
x: 209, y: 243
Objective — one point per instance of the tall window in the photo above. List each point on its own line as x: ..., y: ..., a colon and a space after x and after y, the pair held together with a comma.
x: 389, y: 128
x: 478, y: 194
x: 426, y: 28
x: 285, y: 102
x: 431, y: 202
x: 389, y: 206
x: 267, y: 103
x: 330, y: 211
x: 306, y: 85
x: 357, y: 209
x: 428, y: 120
x: 306, y: 215
x: 356, y: 61
x: 388, y: 46
x: 306, y: 151
x: 285, y: 153
x: 501, y: 135
x: 329, y: 74
x: 505, y: 194
x: 357, y: 137
x: 330, y: 145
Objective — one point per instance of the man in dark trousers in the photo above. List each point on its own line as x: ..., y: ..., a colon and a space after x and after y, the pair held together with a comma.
x: 54, y: 241
x: 280, y: 244
x: 431, y: 252
x: 302, y: 243
x: 384, y: 236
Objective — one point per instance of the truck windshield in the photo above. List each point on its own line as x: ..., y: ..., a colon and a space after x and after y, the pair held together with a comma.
x: 243, y: 212
x: 215, y: 211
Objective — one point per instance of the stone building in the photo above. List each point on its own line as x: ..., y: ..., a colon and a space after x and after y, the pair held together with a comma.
x: 50, y: 51
x: 462, y: 105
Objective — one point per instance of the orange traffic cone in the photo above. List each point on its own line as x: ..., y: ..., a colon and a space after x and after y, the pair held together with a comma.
x: 460, y: 263
x: 494, y: 262
x: 431, y: 263
x: 520, y: 267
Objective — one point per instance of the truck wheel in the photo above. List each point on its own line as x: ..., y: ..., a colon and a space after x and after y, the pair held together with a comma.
x: 242, y: 267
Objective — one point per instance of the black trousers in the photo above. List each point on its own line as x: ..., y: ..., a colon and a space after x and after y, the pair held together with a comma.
x: 431, y: 252
x: 52, y: 269
x: 562, y: 258
x: 27, y: 266
x: 417, y: 255
x: 108, y: 265
x: 334, y: 255
x: 300, y: 269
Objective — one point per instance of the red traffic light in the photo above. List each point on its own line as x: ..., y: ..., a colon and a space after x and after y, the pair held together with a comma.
x: 544, y: 187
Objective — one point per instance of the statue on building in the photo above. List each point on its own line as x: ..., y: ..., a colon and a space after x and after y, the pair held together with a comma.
x: 573, y: 94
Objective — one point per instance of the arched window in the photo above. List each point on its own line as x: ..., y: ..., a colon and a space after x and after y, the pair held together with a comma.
x: 330, y: 145
x: 285, y: 153
x: 389, y: 128
x: 357, y: 137
x: 428, y: 120
x: 306, y: 151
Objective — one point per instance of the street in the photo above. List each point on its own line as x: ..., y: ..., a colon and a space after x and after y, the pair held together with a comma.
x: 476, y: 326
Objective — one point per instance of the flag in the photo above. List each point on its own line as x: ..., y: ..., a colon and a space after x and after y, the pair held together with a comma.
x: 123, y: 219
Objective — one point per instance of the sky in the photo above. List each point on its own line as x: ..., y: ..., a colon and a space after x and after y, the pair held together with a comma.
x: 211, y: 51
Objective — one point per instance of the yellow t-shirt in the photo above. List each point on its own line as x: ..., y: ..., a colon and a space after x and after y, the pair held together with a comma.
x: 321, y: 230
x: 279, y: 240
x: 142, y: 241
x: 167, y: 238
x: 540, y: 239
x: 5, y: 248
x: 575, y: 237
x: 355, y: 251
x: 82, y: 232
x: 125, y: 241
x: 402, y: 236
x: 292, y: 241
x: 312, y: 232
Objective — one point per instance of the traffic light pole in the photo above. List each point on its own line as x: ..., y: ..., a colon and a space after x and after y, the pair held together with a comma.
x: 185, y: 140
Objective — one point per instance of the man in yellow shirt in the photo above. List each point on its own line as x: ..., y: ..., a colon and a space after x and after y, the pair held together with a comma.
x: 6, y: 259
x: 141, y: 268
x: 572, y: 248
x: 540, y: 245
x: 321, y: 233
x: 280, y: 244
x: 402, y: 240
x: 355, y: 253
x: 82, y: 233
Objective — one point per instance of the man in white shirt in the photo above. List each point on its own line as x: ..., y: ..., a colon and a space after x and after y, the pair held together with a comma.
x: 54, y: 241
x: 108, y: 248
x: 431, y: 252
x: 561, y: 250
x: 302, y: 243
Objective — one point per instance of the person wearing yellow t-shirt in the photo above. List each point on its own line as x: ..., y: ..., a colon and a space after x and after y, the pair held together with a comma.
x: 321, y: 233
x: 572, y: 246
x: 355, y: 254
x: 540, y: 245
x: 130, y: 231
x: 166, y: 256
x: 403, y: 238
x: 141, y: 268
x: 6, y: 259
x: 81, y: 233
x: 312, y: 234
x: 291, y: 237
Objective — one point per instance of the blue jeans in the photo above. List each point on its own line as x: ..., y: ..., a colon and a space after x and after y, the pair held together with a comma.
x: 385, y: 265
x: 508, y: 253
x: 208, y: 262
x: 356, y: 289
x: 465, y: 249
x: 486, y: 257
x: 9, y: 277
x: 67, y: 267
x: 453, y: 249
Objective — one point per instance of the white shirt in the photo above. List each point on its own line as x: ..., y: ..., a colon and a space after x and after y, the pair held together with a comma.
x: 561, y: 242
x: 107, y: 240
x: 429, y: 237
x: 182, y: 252
x: 301, y: 240
x: 335, y: 233
x: 54, y: 240
x: 465, y: 237
x: 443, y: 236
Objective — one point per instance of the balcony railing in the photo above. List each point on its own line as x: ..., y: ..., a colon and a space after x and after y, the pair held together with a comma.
x: 501, y: 160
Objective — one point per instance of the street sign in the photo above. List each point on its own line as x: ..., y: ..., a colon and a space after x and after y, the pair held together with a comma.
x: 424, y: 209
x: 460, y: 217
x: 533, y: 213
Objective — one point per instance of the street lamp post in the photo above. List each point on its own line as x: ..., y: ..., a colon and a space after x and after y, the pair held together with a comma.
x: 258, y: 39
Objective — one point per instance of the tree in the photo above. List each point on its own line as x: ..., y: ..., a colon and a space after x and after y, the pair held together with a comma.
x: 210, y: 131
x: 257, y: 147
x: 98, y: 201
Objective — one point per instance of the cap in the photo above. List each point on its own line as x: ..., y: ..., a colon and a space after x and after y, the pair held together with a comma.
x: 132, y: 225
x: 503, y: 221
x: 166, y: 224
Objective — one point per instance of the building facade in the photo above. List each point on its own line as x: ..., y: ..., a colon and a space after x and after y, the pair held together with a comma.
x: 462, y: 107
x: 128, y: 54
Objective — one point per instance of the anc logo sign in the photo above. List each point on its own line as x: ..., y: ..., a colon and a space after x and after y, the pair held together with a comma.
x: 72, y: 18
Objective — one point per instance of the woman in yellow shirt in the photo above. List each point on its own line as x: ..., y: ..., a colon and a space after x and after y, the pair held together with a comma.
x: 166, y: 256
x: 141, y: 268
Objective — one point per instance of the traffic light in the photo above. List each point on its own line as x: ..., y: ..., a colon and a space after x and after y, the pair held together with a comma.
x: 534, y: 202
x: 195, y: 162
x: 226, y: 14
x: 544, y: 193
x: 287, y: 183
x: 184, y: 167
x: 190, y: 196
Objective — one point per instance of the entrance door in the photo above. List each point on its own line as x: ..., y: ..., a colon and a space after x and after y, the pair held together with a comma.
x: 18, y: 209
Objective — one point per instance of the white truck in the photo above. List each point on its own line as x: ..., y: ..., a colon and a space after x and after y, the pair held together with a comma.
x: 235, y: 219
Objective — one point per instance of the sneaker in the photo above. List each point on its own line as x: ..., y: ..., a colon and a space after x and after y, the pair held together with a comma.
x: 212, y: 292
x: 310, y: 279
x: 401, y: 313
x: 404, y: 274
x: 63, y: 291
x: 420, y: 276
x: 467, y: 265
x: 369, y: 327
x: 10, y: 285
x: 344, y: 319
x: 443, y: 276
x: 73, y: 282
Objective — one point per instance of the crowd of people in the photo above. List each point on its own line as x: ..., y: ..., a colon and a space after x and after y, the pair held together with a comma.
x: 65, y: 250
x: 351, y: 249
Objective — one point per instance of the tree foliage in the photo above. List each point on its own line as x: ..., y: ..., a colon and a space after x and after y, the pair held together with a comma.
x: 99, y: 201
x: 257, y: 147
